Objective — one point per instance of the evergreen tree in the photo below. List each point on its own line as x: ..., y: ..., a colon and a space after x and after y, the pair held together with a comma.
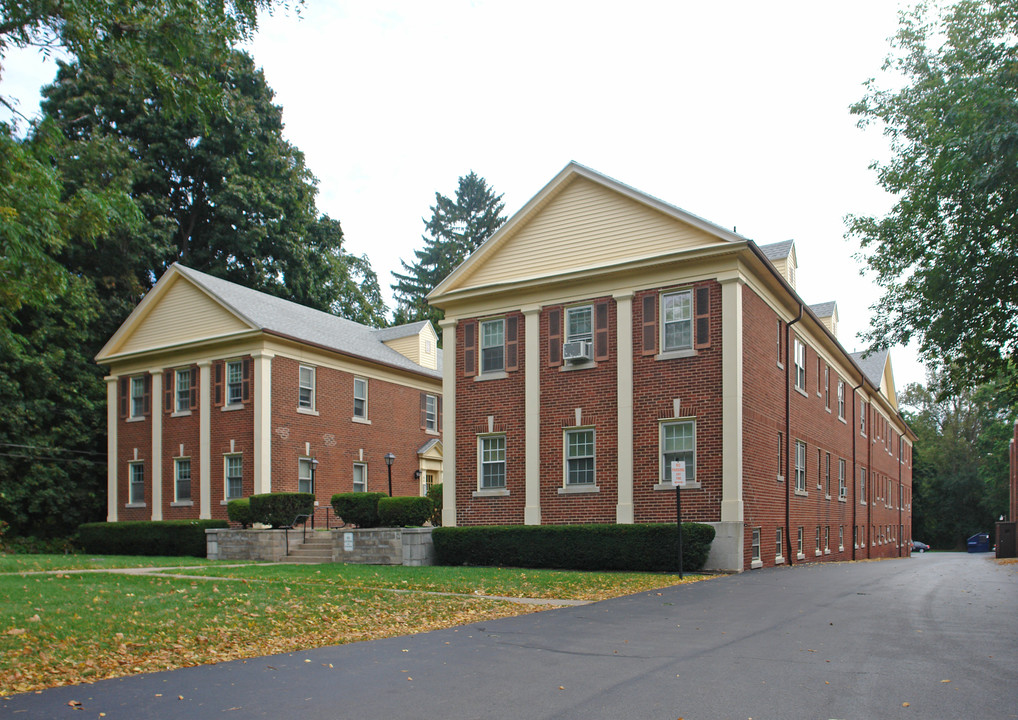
x: 456, y: 228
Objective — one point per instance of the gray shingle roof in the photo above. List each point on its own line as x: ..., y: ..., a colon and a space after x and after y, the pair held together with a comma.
x: 778, y: 250
x: 282, y: 317
x: 400, y: 331
x: 822, y: 310
x: 872, y: 365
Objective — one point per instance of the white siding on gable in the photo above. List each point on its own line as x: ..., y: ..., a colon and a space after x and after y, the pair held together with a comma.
x: 183, y: 314
x: 587, y: 225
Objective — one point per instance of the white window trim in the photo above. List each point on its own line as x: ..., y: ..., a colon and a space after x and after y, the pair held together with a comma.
x: 186, y: 410
x: 491, y: 491
x: 431, y: 417
x: 131, y: 501
x: 799, y: 539
x: 841, y: 400
x: 364, y: 476
x: 360, y: 418
x: 800, y: 470
x: 755, y: 550
x: 489, y: 374
x: 800, y: 366
x: 574, y: 488
x: 226, y: 476
x: 132, y: 415
x: 228, y: 402
x: 310, y: 478
x: 313, y: 408
x: 779, y: 546
x: 664, y: 480
x: 684, y: 351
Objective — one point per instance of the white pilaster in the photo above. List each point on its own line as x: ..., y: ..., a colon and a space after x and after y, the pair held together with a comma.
x: 532, y: 404
x: 205, y: 439
x: 156, y: 406
x: 731, y: 401
x: 448, y: 423
x: 262, y: 422
x: 624, y: 513
x: 112, y: 413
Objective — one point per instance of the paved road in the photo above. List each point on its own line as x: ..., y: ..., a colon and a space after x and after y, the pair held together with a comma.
x: 936, y: 631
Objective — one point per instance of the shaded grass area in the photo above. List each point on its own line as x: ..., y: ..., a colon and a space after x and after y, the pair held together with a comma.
x: 62, y: 629
x: 16, y: 563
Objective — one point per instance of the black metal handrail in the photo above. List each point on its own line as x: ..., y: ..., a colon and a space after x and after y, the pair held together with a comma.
x: 291, y: 526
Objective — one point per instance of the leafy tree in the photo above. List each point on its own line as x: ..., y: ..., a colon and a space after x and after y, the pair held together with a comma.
x: 947, y: 253
x: 960, y: 462
x: 456, y: 228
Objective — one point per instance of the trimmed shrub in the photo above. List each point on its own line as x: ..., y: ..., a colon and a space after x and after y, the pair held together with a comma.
x: 407, y: 511
x: 239, y: 511
x: 358, y: 508
x: 435, y: 493
x: 649, y: 547
x: 280, y: 509
x: 147, y: 537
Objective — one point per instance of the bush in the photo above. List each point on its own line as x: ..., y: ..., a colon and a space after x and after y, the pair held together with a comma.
x: 239, y: 511
x: 280, y: 509
x: 148, y: 537
x: 358, y: 508
x: 435, y: 493
x: 404, y: 511
x: 650, y: 547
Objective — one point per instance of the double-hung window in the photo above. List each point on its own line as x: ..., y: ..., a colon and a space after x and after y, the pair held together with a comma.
x: 138, y: 393
x: 798, y: 541
x: 182, y: 402
x: 862, y: 418
x: 305, y: 475
x: 431, y: 413
x: 182, y: 480
x: 842, y: 486
x: 862, y: 485
x: 360, y: 477
x: 234, y: 470
x: 580, y: 457
x: 841, y: 399
x: 677, y: 313
x: 493, y: 346
x: 234, y: 382
x: 800, y: 466
x: 678, y: 443
x: 136, y: 493
x: 827, y: 387
x: 800, y: 365
x: 492, y: 456
x: 306, y: 388
x: 778, y: 551
x: 827, y: 475
x: 360, y: 398
x: 756, y: 545
x: 580, y: 324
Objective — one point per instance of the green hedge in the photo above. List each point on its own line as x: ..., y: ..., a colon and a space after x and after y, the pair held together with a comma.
x: 435, y: 493
x: 280, y: 509
x: 148, y: 537
x: 650, y: 547
x: 239, y: 511
x: 406, y: 511
x: 358, y: 508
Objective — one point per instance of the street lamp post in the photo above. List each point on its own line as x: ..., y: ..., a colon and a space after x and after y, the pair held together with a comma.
x: 389, y: 457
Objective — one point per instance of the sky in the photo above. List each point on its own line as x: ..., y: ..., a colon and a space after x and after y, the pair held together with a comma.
x: 734, y: 110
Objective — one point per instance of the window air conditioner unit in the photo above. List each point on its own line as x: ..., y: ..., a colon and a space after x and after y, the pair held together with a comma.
x: 576, y: 351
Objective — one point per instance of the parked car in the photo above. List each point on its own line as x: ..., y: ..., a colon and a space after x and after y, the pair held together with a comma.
x: 920, y: 546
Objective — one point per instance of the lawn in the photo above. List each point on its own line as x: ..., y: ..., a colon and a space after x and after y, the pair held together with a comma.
x: 66, y: 628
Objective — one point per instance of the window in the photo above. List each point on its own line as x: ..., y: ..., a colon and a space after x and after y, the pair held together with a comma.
x: 360, y: 398
x: 756, y: 544
x: 360, y: 477
x: 827, y: 475
x: 677, y: 315
x: 234, y: 476
x: 862, y: 485
x: 580, y: 457
x: 579, y: 324
x: 306, y: 391
x: 781, y: 457
x: 780, y: 345
x: 842, y: 486
x: 827, y: 538
x: 820, y: 470
x: 430, y: 412
x: 182, y: 480
x: 492, y: 462
x: 777, y: 543
x: 492, y: 346
x: 818, y: 540
x: 136, y: 494
x: 305, y: 475
x: 819, y: 365
x: 800, y: 466
x: 862, y: 417
x: 234, y: 382
x: 183, y: 394
x: 138, y: 396
x: 678, y: 443
x: 800, y: 365
x: 841, y: 399
x: 827, y: 388
x: 798, y: 541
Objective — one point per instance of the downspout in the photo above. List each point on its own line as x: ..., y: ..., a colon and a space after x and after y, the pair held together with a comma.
x: 901, y: 501
x: 855, y: 470
x: 788, y: 434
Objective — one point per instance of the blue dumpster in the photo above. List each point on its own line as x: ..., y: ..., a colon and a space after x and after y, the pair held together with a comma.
x: 980, y: 542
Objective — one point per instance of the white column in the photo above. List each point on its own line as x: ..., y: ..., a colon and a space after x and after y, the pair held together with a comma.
x: 205, y: 439
x: 112, y: 413
x: 731, y: 401
x: 624, y: 513
x: 448, y: 423
x: 156, y: 406
x: 532, y: 405
x: 262, y: 422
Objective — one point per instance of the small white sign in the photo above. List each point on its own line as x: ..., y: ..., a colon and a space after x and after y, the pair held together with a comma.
x: 348, y: 542
x: 679, y: 473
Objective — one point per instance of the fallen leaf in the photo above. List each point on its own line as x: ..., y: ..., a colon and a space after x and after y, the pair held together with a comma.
x: 16, y: 631
x: 73, y: 703
x: 180, y: 697
x: 34, y: 618
x: 561, y: 687
x: 904, y: 704
x: 945, y: 681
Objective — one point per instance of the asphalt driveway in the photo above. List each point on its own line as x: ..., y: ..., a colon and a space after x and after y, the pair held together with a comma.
x: 932, y: 636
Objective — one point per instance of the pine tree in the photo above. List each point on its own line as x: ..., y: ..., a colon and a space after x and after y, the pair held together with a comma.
x: 456, y: 228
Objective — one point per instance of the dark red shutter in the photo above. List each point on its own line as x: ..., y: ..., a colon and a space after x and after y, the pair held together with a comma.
x: 125, y: 389
x: 554, y: 336
x: 148, y: 395
x: 702, y: 317
x: 194, y: 387
x: 470, y: 348
x: 168, y: 391
x: 424, y: 411
x: 512, y: 343
x: 650, y: 324
x: 217, y: 384
x: 246, y: 380
x: 601, y: 340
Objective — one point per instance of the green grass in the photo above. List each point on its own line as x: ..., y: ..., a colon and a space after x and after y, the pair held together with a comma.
x: 60, y: 629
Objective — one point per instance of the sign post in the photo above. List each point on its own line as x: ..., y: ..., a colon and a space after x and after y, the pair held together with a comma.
x: 678, y: 468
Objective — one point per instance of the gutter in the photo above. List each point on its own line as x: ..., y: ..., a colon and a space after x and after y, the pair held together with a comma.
x: 788, y: 433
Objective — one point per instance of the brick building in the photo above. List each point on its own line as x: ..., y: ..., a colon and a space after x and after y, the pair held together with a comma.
x: 602, y: 337
x: 216, y: 392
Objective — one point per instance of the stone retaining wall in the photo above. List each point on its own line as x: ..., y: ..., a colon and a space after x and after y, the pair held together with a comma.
x: 373, y: 546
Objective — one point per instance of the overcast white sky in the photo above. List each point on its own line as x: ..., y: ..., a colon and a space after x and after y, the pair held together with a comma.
x: 734, y: 110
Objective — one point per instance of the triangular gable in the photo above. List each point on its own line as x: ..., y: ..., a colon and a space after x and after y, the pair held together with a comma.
x: 174, y: 312
x: 582, y: 220
x: 887, y: 384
